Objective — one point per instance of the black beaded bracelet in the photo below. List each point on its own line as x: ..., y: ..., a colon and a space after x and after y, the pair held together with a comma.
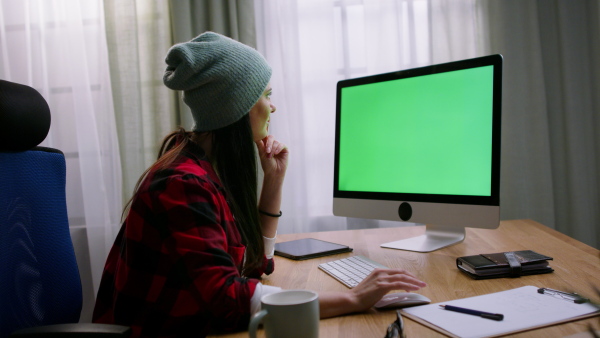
x: 270, y: 214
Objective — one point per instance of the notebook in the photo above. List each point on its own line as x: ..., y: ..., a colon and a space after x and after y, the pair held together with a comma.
x: 307, y: 248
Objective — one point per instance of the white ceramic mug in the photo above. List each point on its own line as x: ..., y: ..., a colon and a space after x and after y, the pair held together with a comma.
x: 288, y: 314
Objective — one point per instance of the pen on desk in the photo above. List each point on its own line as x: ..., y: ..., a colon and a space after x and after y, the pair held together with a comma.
x: 565, y: 295
x: 494, y: 316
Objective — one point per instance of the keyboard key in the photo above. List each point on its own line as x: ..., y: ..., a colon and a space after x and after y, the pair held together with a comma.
x: 350, y: 271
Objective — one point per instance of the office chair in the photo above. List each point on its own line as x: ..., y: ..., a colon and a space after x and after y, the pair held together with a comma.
x: 40, y: 284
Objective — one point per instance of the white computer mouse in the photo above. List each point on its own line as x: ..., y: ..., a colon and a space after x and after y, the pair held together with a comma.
x: 401, y: 299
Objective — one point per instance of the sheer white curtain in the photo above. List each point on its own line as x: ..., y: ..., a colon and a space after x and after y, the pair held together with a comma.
x: 59, y: 48
x: 312, y: 44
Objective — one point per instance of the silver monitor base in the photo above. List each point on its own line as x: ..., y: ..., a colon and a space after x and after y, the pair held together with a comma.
x: 436, y: 237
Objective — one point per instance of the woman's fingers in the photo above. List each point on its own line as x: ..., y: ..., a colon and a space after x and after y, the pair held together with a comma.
x: 277, y: 148
x: 381, y: 281
x: 273, y: 155
x: 270, y: 146
x: 398, y: 276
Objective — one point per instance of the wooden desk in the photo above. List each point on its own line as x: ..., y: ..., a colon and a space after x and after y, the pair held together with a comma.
x: 576, y: 265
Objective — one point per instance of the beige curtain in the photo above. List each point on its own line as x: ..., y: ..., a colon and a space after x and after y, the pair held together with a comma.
x: 551, y: 108
x: 138, y: 36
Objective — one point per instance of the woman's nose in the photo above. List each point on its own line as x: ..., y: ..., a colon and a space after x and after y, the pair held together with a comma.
x: 273, y: 108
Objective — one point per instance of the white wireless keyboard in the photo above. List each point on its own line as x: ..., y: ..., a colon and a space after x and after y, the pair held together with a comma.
x: 350, y: 271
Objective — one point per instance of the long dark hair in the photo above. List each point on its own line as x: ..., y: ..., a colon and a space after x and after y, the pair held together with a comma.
x: 234, y: 158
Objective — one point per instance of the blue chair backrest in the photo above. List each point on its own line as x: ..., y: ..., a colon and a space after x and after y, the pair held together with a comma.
x: 39, y: 277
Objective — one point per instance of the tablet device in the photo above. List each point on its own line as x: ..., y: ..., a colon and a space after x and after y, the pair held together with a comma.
x: 307, y: 248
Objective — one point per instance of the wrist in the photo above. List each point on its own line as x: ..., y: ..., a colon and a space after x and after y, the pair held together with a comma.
x: 273, y: 178
x: 270, y: 199
x: 353, y: 302
x: 338, y: 303
x: 270, y: 214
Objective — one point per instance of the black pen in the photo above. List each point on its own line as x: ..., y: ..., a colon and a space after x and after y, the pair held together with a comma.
x: 494, y: 316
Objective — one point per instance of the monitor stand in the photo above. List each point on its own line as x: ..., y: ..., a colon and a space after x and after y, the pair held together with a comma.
x: 436, y: 237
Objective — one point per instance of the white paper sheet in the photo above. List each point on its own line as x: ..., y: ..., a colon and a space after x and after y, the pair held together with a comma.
x: 523, y: 308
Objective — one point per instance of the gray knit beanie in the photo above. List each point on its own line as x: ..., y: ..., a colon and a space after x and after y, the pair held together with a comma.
x: 221, y: 78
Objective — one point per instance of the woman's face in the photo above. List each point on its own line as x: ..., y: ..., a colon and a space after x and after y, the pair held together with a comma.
x: 260, y: 115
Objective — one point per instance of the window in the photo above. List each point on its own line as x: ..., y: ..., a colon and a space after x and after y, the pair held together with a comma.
x: 406, y: 22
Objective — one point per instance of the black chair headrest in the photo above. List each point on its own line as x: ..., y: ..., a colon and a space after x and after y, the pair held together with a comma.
x: 24, y: 117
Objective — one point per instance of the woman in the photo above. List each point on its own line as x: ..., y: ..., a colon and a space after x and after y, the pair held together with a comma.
x: 196, y: 238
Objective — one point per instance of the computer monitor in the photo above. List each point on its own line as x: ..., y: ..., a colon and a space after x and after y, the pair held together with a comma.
x: 423, y: 146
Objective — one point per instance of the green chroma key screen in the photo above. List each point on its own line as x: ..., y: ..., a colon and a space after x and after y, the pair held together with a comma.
x: 430, y: 134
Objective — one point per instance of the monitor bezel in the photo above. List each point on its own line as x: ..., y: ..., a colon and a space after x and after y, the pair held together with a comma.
x: 494, y: 198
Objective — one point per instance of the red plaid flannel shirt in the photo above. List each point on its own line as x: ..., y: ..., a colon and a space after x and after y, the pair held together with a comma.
x: 174, y: 269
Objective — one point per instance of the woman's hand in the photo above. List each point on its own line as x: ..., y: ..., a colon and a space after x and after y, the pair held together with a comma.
x: 273, y: 156
x: 379, y: 282
x: 274, y: 160
x: 362, y: 297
